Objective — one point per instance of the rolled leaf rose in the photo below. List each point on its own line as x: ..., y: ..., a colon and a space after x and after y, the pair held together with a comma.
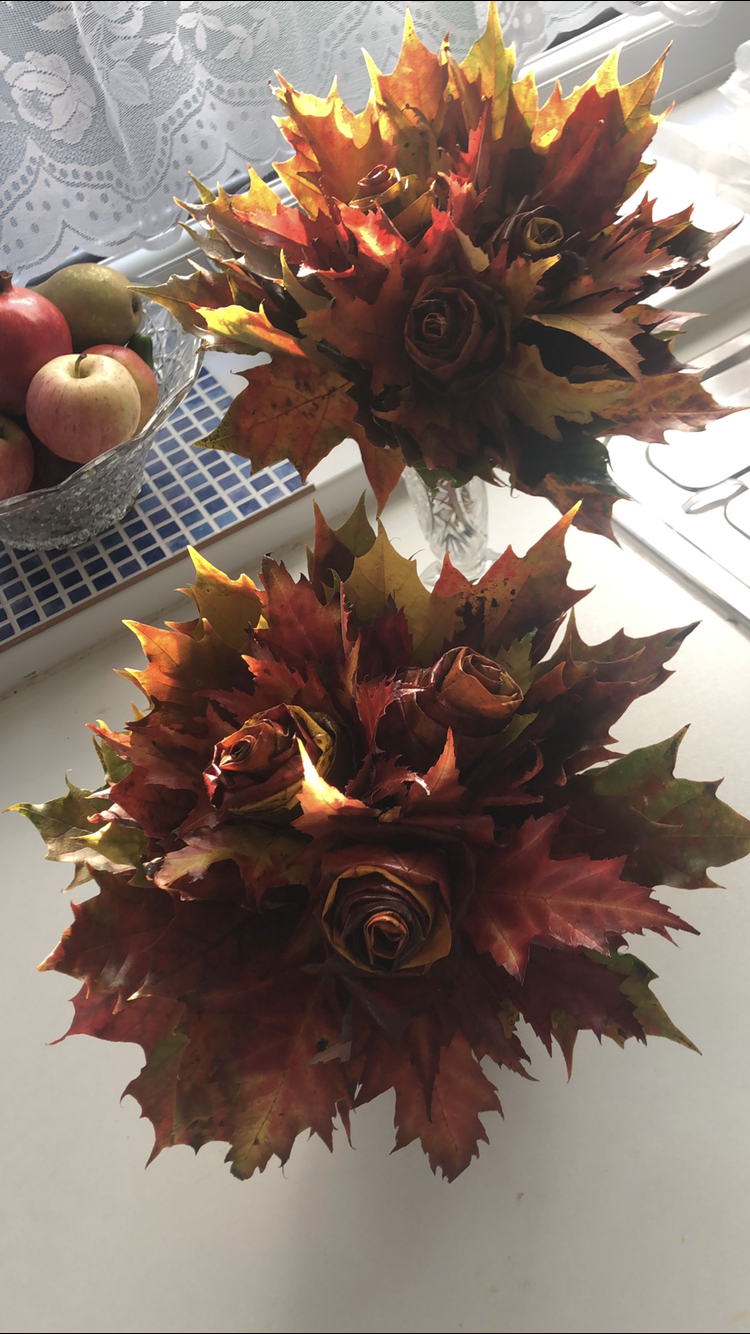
x: 466, y: 692
x: 538, y: 233
x: 401, y: 198
x: 455, y: 333
x: 385, y: 912
x: 258, y: 769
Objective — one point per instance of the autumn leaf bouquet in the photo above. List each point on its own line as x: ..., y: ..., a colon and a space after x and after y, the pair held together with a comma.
x: 360, y: 834
x: 459, y: 285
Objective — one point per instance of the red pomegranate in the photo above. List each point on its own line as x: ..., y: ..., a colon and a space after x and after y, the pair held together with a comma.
x: 32, y: 332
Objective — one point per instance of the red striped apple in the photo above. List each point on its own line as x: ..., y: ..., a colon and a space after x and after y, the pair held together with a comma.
x: 80, y: 406
x: 16, y: 460
x: 146, y: 382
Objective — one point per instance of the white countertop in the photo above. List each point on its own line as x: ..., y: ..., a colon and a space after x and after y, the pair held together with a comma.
x: 619, y: 1202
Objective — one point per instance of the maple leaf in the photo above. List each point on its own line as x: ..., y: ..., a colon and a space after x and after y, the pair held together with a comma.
x: 182, y: 661
x: 594, y: 322
x: 676, y: 401
x: 538, y: 398
x: 265, y: 858
x: 524, y: 895
x: 381, y: 575
x: 516, y: 596
x: 335, y: 550
x: 289, y: 410
x: 298, y: 628
x: 451, y: 1131
x: 383, y: 467
x: 565, y: 993
x: 66, y: 826
x: 283, y: 1091
x: 231, y: 605
x: 672, y: 829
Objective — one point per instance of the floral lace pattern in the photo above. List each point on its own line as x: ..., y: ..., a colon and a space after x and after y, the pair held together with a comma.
x: 106, y: 107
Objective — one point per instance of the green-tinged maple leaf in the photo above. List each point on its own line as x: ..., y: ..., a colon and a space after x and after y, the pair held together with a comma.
x: 566, y: 992
x: 524, y: 895
x: 489, y: 66
x: 605, y: 993
x: 647, y: 1010
x: 290, y: 410
x: 381, y: 575
x: 265, y: 858
x: 114, y: 766
x: 537, y: 397
x: 64, y: 824
x: 687, y: 828
x: 336, y: 549
x: 231, y: 605
x: 576, y: 475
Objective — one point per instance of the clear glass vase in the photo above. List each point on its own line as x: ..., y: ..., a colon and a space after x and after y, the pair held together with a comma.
x: 453, y: 519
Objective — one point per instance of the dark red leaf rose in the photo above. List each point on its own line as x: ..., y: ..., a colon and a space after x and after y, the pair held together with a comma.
x: 258, y: 769
x: 465, y: 691
x: 384, y: 911
x: 455, y: 333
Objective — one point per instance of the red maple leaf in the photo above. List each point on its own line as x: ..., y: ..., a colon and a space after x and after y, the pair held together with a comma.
x: 523, y: 895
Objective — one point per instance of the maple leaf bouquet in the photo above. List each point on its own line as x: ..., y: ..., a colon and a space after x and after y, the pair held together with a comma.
x: 457, y: 286
x: 362, y: 832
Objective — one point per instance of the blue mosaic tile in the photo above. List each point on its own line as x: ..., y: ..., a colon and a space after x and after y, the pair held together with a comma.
x: 188, y: 496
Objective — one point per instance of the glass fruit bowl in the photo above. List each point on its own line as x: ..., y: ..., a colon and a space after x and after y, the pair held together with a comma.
x: 100, y: 492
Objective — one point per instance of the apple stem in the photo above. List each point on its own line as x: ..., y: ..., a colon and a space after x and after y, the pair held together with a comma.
x: 5, y: 281
x: 77, y: 367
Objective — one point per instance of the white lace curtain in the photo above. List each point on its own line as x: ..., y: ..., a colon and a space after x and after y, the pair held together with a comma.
x: 105, y: 107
